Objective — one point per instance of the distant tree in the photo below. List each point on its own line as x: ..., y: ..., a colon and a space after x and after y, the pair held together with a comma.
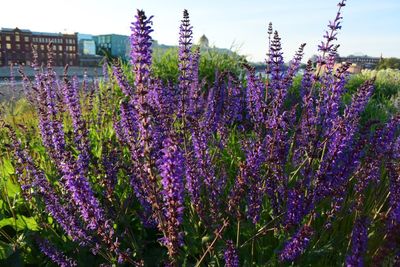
x: 388, y: 63
x: 203, y: 42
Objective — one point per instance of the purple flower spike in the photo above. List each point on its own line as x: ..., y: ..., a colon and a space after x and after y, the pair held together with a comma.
x: 171, y: 171
x: 296, y: 245
x: 359, y: 241
x: 140, y: 47
x: 231, y: 255
x: 185, y: 43
x: 55, y: 255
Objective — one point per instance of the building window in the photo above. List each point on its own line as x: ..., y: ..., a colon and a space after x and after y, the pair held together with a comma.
x: 26, y: 39
x: 60, y: 48
x: 8, y: 38
x: 8, y: 45
x: 17, y: 39
x: 41, y: 47
x: 27, y: 47
x: 18, y: 46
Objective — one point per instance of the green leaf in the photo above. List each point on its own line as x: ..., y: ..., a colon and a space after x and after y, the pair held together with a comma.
x: 5, y: 250
x: 21, y: 223
x: 8, y: 167
x: 12, y: 188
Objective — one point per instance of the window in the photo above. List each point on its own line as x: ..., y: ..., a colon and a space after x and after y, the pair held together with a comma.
x: 8, y: 38
x: 60, y: 48
x: 41, y: 47
x: 27, y: 47
x: 18, y: 46
x: 8, y: 45
x: 26, y: 39
x: 17, y: 39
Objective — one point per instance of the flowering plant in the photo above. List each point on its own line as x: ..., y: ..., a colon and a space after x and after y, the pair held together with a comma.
x: 199, y: 173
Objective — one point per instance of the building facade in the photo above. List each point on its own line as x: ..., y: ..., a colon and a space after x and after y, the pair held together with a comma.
x: 114, y: 45
x: 365, y: 62
x: 16, y: 47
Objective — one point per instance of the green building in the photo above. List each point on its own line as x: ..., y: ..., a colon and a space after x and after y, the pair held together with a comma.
x: 112, y: 44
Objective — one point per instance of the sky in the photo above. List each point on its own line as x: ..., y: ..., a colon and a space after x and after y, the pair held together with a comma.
x: 370, y: 27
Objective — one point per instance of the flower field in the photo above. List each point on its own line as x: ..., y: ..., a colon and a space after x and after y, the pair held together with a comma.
x: 215, y: 166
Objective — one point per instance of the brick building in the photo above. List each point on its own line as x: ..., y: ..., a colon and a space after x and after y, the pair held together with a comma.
x: 16, y: 47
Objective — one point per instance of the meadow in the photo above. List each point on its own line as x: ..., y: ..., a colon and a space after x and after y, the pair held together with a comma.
x: 192, y: 159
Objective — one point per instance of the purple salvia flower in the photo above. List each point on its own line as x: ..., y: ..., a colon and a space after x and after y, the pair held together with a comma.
x: 128, y: 123
x: 255, y: 157
x: 193, y: 183
x: 278, y: 91
x: 237, y: 193
x: 340, y: 141
x: 141, y: 49
x: 295, y: 246
x: 185, y: 73
x: 81, y: 139
x: 230, y: 255
x: 54, y: 254
x: 206, y: 169
x: 141, y: 63
x: 294, y: 207
x: 293, y: 67
x: 326, y: 46
x: 128, y: 132
x: 121, y: 79
x: 392, y: 145
x: 255, y: 98
x: 171, y: 172
x: 234, y: 108
x: 359, y: 239
x: 331, y: 97
x: 110, y: 165
x: 194, y: 93
x: 36, y: 179
x: 306, y: 132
